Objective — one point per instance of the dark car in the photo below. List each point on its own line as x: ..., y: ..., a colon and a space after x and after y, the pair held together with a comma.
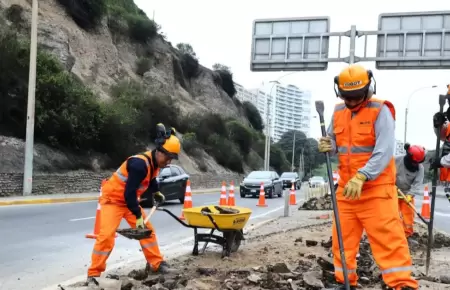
x: 172, y: 183
x: 288, y: 177
x: 252, y: 183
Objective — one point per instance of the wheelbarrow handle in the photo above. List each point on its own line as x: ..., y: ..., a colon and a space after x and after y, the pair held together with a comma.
x: 174, y: 216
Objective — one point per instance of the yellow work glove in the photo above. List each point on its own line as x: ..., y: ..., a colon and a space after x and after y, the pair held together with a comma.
x: 159, y: 197
x: 409, y: 198
x: 140, y: 223
x: 325, y: 144
x: 353, y: 188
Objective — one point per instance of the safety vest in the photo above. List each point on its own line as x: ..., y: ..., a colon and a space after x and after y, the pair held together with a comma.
x: 114, y: 189
x: 355, y: 141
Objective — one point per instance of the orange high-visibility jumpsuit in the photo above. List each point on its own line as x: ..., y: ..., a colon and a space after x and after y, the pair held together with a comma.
x: 113, y: 209
x: 376, y: 211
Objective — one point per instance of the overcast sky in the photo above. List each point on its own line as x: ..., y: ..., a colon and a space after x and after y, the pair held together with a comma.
x: 220, y: 31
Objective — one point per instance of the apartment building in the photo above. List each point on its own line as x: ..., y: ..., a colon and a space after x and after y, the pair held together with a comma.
x: 285, y: 108
x: 244, y: 95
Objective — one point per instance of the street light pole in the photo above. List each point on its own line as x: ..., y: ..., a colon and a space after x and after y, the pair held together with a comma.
x: 407, y: 108
x: 293, y: 153
x: 29, y: 141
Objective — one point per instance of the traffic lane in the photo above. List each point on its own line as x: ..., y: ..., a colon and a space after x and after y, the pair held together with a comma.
x: 441, y: 213
x: 53, y: 235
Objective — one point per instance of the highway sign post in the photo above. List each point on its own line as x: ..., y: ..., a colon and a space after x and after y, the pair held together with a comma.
x: 405, y: 41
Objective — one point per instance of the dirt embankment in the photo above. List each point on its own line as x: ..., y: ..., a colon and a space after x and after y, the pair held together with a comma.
x: 287, y: 254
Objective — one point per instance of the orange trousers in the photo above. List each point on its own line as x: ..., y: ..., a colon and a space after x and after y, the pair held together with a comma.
x: 377, y: 213
x: 407, y: 215
x: 111, y: 216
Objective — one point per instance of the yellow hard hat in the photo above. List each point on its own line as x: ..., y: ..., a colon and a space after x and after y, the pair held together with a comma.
x: 171, y: 147
x: 354, y: 82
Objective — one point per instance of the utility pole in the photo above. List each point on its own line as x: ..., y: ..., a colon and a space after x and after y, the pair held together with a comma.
x: 293, y: 153
x: 29, y: 142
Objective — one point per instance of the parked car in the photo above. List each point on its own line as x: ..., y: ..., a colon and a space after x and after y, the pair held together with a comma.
x: 273, y: 185
x: 288, y: 177
x: 172, y: 183
x: 317, y: 181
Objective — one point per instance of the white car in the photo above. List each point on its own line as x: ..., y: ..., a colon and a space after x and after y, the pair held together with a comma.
x: 317, y: 181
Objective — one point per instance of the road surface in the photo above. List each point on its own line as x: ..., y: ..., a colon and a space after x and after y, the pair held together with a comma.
x: 45, y: 244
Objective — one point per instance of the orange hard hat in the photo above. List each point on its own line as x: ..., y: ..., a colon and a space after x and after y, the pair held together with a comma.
x: 353, y: 82
x: 167, y: 142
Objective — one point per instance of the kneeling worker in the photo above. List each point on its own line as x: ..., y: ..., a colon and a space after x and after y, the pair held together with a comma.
x: 410, y: 173
x: 361, y: 133
x: 119, y: 200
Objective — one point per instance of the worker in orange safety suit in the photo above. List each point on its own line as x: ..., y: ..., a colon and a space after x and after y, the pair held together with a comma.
x: 119, y: 199
x: 362, y: 134
x: 409, y: 181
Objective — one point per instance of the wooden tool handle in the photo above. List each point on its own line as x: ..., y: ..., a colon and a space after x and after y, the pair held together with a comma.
x: 150, y: 214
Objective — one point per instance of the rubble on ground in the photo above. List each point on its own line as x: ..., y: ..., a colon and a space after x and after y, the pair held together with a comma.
x: 289, y: 259
x: 318, y: 203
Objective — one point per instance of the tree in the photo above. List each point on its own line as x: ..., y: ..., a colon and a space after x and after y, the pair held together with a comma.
x: 218, y: 66
x: 186, y: 48
x: 253, y: 116
x: 309, y: 147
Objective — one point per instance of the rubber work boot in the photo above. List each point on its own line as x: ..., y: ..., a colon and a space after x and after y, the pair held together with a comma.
x: 91, y: 281
x: 164, y: 268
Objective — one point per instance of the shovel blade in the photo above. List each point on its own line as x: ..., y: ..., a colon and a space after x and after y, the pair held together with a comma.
x: 135, y: 234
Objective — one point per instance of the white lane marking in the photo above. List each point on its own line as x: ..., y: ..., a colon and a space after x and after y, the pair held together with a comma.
x: 82, y: 219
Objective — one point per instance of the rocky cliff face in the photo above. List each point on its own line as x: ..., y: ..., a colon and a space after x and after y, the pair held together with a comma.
x: 100, y: 60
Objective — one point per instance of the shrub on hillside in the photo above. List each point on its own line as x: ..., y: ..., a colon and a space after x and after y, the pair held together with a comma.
x: 205, y: 125
x: 190, y: 66
x: 253, y: 116
x: 241, y: 135
x: 67, y: 113
x: 225, y: 80
x: 143, y: 65
x: 225, y: 152
x: 141, y: 29
x: 86, y: 13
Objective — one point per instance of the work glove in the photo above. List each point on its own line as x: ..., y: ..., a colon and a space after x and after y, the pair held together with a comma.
x: 438, y: 119
x: 353, y: 188
x: 435, y: 163
x: 140, y: 223
x: 159, y: 197
x: 325, y: 144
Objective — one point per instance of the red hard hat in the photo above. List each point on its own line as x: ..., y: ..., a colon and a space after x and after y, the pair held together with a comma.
x: 417, y: 153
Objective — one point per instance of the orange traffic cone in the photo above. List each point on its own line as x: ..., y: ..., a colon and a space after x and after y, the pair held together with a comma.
x: 223, y: 194
x: 187, y: 199
x: 335, y: 177
x: 231, y: 200
x: 262, y: 196
x: 426, y: 205
x: 97, y: 216
x: 292, y: 200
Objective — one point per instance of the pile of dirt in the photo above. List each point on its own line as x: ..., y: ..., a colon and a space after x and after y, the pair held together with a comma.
x: 297, y: 259
x: 318, y: 203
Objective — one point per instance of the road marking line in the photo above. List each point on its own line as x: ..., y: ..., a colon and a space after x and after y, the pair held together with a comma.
x: 82, y: 219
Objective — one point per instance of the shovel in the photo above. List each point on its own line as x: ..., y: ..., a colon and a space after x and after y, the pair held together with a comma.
x: 411, y: 206
x: 138, y: 234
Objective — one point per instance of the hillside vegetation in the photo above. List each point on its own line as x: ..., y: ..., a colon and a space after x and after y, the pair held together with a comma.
x: 105, y: 77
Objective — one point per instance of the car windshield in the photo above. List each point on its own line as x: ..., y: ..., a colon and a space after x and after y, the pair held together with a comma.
x: 288, y: 174
x: 165, y: 172
x: 317, y: 178
x: 259, y: 175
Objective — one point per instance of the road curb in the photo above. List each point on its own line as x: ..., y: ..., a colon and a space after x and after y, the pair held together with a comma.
x: 78, y: 199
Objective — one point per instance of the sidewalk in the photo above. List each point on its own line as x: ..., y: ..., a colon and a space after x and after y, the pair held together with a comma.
x: 74, y: 197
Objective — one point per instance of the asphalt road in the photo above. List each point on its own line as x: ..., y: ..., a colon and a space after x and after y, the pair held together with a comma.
x: 45, y: 244
x: 441, y: 211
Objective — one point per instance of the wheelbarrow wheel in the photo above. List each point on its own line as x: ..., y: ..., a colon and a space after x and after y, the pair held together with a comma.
x: 233, y: 239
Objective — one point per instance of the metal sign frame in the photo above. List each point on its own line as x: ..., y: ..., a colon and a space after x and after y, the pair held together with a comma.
x: 404, y: 61
x: 293, y: 64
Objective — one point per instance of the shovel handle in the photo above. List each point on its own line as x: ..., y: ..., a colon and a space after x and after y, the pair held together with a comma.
x: 150, y: 213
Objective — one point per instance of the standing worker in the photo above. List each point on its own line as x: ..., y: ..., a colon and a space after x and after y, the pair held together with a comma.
x: 362, y: 133
x: 119, y: 199
x: 410, y: 173
x: 440, y: 120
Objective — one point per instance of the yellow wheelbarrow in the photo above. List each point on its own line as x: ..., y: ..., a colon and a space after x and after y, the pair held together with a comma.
x: 229, y: 220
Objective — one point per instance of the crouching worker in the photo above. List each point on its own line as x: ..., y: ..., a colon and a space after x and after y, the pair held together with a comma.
x: 119, y: 200
x: 409, y: 181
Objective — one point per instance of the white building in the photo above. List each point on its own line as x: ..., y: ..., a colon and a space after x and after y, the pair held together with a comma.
x: 285, y: 107
x: 244, y: 95
x: 399, y: 148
